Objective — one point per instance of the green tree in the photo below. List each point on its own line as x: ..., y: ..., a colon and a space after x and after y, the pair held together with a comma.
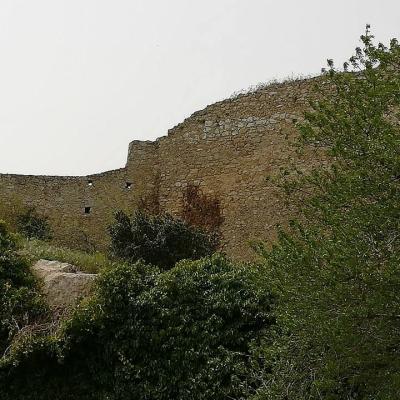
x: 337, y: 273
x: 160, y: 240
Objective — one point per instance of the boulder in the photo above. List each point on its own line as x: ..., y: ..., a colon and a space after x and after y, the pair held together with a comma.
x: 63, y: 284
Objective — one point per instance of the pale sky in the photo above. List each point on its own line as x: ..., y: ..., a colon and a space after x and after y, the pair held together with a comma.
x: 80, y: 79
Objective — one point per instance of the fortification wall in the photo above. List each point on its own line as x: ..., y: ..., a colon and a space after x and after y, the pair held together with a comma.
x: 79, y: 209
x: 231, y: 149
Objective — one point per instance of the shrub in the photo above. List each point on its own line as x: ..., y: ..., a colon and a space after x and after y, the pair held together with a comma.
x: 183, y: 334
x: 20, y: 302
x: 159, y: 240
x: 33, y: 226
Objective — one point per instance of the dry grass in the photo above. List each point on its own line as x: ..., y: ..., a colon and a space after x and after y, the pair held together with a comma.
x: 87, y: 262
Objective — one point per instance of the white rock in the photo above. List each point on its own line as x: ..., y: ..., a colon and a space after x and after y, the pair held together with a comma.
x: 63, y: 284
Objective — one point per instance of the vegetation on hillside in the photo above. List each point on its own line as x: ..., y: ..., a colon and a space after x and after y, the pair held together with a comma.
x: 182, y: 334
x: 318, y: 318
x: 337, y: 274
x: 20, y: 301
x: 160, y: 240
x: 92, y: 262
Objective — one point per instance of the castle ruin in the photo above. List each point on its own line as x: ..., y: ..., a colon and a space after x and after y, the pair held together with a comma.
x: 230, y: 149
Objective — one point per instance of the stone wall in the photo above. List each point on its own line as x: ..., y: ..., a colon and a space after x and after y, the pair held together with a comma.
x: 231, y: 149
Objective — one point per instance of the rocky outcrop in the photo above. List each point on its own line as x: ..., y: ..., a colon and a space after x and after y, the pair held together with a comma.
x: 63, y: 284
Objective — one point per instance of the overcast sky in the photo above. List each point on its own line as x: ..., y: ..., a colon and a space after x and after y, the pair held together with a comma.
x: 80, y: 79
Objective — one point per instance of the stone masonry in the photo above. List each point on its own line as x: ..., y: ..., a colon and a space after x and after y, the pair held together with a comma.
x: 231, y: 149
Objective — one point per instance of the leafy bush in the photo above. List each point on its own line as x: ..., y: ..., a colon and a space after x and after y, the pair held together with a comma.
x: 183, y: 334
x: 33, y: 226
x: 159, y: 240
x: 20, y: 302
x: 337, y: 274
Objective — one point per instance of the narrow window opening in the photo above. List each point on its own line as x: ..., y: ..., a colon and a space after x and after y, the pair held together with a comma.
x: 128, y: 185
x: 90, y: 182
x: 88, y: 210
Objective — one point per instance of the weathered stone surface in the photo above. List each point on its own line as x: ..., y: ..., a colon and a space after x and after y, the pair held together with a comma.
x: 232, y: 149
x: 63, y: 284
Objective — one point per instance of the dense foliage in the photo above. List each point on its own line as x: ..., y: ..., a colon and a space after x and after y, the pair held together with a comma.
x: 337, y: 274
x: 20, y: 302
x: 160, y: 240
x: 183, y: 334
x: 33, y: 226
x: 318, y: 319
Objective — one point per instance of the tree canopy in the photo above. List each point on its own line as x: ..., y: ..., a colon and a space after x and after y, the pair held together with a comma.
x: 337, y: 272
